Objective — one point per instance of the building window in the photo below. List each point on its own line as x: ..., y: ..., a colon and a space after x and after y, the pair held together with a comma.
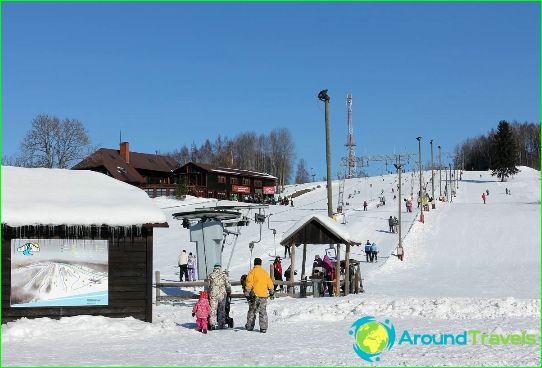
x: 234, y: 181
x: 150, y: 192
x: 246, y: 181
x: 221, y: 179
x: 258, y: 183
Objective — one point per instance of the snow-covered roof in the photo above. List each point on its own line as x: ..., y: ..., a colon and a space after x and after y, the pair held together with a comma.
x: 325, y: 221
x: 72, y: 197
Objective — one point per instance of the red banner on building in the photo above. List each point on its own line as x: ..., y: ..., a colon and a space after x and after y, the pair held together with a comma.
x: 240, y: 189
x: 268, y: 190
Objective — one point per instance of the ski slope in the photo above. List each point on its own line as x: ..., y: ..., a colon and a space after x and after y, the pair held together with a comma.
x: 468, y: 266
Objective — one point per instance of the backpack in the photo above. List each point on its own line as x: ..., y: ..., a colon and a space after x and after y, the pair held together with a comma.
x: 244, y: 283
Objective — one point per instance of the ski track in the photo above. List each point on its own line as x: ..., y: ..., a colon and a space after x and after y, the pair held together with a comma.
x: 458, y: 274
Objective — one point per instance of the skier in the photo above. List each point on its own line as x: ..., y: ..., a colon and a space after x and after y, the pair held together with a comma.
x: 374, y: 252
x: 182, y: 261
x: 191, y: 267
x: 390, y: 223
x: 487, y: 191
x: 368, y: 254
x: 201, y: 311
x: 395, y: 224
x: 277, y: 272
x: 258, y: 286
x: 484, y: 197
x: 328, y: 266
x: 287, y: 250
x: 365, y: 205
x: 219, y: 289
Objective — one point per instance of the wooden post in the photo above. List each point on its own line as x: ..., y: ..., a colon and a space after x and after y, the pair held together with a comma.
x: 292, y: 269
x: 347, y: 270
x: 356, y: 282
x: 157, y: 277
x: 338, y: 271
x: 304, y: 260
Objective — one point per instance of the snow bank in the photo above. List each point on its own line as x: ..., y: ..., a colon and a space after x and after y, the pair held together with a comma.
x: 72, y: 197
x: 353, y: 306
x: 47, y: 328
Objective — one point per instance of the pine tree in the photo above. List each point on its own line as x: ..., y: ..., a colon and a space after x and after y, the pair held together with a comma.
x: 302, y: 175
x: 505, y: 153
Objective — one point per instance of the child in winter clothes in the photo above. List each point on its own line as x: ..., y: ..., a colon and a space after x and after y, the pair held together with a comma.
x: 201, y: 311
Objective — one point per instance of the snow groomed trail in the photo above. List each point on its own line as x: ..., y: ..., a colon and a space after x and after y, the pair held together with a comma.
x: 469, y: 266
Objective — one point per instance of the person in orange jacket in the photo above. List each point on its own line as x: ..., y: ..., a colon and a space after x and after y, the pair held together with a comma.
x: 258, y: 287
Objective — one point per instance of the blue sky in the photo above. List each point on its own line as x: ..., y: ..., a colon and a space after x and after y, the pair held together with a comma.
x: 169, y: 74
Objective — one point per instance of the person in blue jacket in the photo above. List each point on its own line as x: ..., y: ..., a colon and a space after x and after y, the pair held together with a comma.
x: 374, y: 252
x: 368, y: 253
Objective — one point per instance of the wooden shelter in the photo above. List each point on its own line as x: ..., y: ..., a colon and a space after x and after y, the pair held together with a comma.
x: 319, y: 229
x: 75, y: 242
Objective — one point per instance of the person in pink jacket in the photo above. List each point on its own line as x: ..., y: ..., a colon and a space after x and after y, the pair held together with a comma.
x: 201, y: 311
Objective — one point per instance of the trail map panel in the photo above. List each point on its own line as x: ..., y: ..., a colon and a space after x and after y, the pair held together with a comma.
x: 59, y: 272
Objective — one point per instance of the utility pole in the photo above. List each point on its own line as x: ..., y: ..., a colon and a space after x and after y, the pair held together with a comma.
x: 432, y: 176
x: 399, y: 168
x: 440, y: 170
x: 322, y: 96
x: 420, y: 163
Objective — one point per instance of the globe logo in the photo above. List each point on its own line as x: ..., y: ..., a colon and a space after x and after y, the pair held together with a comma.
x: 372, y: 337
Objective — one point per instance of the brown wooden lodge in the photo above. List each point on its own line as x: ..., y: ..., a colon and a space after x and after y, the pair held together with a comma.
x: 159, y: 175
x: 150, y: 172
x: 208, y: 181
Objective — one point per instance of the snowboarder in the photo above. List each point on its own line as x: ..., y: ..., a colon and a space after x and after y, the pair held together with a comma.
x: 365, y: 205
x: 191, y: 267
x: 484, y: 197
x: 277, y: 272
x: 258, y: 287
x: 182, y: 261
x: 390, y: 223
x: 374, y: 252
x: 201, y: 311
x: 368, y: 254
x: 219, y: 289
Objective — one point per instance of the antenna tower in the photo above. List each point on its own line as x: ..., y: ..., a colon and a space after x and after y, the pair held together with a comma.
x: 351, y: 161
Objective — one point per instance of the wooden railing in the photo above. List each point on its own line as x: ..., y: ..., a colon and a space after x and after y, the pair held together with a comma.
x: 304, y: 287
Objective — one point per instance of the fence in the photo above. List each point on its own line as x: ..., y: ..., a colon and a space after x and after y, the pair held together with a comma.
x: 356, y: 286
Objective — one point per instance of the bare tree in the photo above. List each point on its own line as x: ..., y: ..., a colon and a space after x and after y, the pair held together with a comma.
x: 54, y: 143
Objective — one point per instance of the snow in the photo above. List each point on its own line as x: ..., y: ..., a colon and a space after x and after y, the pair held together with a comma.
x: 469, y: 266
x: 72, y: 197
x: 325, y: 221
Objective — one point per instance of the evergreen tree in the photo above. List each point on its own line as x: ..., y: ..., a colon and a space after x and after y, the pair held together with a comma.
x: 505, y: 152
x: 302, y: 175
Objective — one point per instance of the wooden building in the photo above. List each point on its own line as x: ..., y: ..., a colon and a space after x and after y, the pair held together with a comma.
x: 150, y: 172
x: 204, y: 180
x: 75, y: 242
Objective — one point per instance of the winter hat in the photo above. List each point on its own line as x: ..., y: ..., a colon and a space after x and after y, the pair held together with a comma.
x: 217, y: 265
x: 257, y: 261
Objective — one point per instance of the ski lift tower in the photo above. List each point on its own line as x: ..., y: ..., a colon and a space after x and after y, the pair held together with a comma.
x: 209, y: 228
x: 351, y: 161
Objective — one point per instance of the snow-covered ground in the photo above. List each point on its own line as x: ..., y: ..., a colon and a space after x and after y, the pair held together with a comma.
x: 469, y: 266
